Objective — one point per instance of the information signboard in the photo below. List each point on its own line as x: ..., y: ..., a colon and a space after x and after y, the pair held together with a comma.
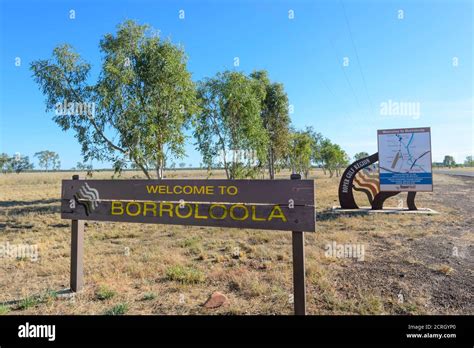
x: 405, y: 159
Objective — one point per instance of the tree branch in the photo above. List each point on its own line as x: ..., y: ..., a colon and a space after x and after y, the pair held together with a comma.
x: 91, y: 119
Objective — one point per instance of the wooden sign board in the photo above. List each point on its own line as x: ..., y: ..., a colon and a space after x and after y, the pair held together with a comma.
x: 260, y: 204
x: 255, y: 204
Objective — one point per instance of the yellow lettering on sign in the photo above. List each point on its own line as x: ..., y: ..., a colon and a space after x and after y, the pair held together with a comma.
x: 211, y: 213
x: 149, y: 206
x: 232, y: 215
x: 187, y: 190
x: 229, y: 190
x: 237, y: 212
x: 232, y: 190
x: 254, y: 217
x: 279, y: 214
x: 196, y: 213
x: 127, y: 208
x: 117, y: 208
x: 151, y: 188
x: 169, y: 209
x: 199, y: 190
x: 178, y: 211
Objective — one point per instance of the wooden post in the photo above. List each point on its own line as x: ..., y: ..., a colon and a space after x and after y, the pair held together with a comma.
x: 299, y: 278
x: 77, y: 252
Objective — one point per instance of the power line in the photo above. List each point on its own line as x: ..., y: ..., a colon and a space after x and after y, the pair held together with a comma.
x: 344, y: 72
x: 323, y: 80
x: 357, y: 56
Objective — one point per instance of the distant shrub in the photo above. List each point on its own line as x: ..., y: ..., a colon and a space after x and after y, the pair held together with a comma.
x: 119, y: 309
x: 185, y: 275
x: 148, y: 296
x: 28, y: 302
x: 104, y: 293
x: 4, y: 309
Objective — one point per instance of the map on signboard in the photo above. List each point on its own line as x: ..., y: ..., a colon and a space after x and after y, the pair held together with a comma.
x: 405, y: 159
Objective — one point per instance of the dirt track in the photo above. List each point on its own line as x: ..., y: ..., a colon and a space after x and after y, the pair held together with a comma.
x: 432, y: 272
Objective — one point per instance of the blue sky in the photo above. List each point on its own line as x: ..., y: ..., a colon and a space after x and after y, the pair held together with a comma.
x: 425, y: 57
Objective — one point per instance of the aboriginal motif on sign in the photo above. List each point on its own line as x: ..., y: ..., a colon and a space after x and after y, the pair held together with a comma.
x: 367, y: 181
x: 87, y: 197
x: 363, y: 176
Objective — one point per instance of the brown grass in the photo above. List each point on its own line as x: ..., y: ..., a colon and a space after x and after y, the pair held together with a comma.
x: 164, y: 269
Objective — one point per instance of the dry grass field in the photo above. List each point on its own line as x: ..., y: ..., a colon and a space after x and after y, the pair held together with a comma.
x: 413, y: 264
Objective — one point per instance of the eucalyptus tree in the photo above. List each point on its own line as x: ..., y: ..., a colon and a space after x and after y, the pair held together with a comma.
x: 360, y: 155
x: 316, y: 144
x: 142, y: 101
x: 333, y: 157
x: 5, y: 163
x: 48, y: 160
x: 469, y: 162
x: 229, y: 130
x: 21, y: 163
x: 275, y: 119
x: 300, y: 152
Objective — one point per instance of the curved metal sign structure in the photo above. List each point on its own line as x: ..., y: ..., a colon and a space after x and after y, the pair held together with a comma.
x: 362, y: 176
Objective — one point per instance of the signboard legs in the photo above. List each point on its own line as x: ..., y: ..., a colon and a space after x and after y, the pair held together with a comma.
x: 77, y: 252
x: 299, y: 278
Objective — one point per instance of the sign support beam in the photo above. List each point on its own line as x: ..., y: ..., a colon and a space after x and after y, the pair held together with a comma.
x: 286, y: 205
x: 299, y: 277
x: 77, y: 252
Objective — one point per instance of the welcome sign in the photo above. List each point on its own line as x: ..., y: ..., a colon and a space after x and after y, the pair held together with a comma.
x: 258, y: 204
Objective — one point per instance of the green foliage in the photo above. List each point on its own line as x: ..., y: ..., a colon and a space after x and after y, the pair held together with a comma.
x: 49, y: 296
x: 333, y: 157
x: 104, y: 293
x: 300, y: 152
x: 48, y: 159
x: 469, y: 162
x: 309, y: 147
x: 229, y: 124
x: 5, y: 163
x: 28, y: 302
x: 317, y: 139
x: 20, y: 164
x: 191, y: 242
x: 360, y: 155
x: 84, y: 166
x: 449, y: 161
x: 4, y: 309
x: 275, y: 120
x: 149, y: 296
x: 119, y: 309
x: 186, y: 275
x: 15, y: 164
x: 143, y: 99
x: 193, y: 245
